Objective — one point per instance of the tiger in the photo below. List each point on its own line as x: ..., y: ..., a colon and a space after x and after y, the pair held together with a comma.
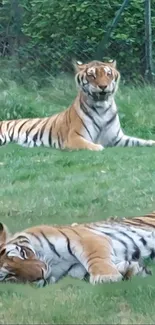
x: 132, y: 238
x: 99, y: 252
x: 91, y: 122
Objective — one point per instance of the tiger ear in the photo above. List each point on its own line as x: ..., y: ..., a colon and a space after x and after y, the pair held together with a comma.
x: 112, y: 63
x: 4, y: 233
x: 78, y: 66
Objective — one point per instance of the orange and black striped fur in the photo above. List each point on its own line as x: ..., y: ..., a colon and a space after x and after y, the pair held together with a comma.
x: 104, y: 251
x: 91, y: 122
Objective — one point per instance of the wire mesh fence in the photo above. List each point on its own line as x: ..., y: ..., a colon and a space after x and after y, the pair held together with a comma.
x: 41, y: 38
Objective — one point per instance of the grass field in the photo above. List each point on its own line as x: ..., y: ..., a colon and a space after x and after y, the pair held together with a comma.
x: 49, y: 186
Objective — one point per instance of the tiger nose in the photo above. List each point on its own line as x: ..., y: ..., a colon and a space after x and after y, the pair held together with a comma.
x: 102, y: 87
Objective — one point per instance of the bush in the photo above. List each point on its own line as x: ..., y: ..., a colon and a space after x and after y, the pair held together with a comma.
x: 53, y: 32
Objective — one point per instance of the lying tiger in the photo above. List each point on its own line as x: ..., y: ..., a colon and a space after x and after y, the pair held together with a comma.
x: 102, y: 251
x: 91, y: 122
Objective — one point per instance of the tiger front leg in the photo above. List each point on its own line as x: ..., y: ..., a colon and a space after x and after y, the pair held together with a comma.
x: 77, y: 142
x: 95, y: 254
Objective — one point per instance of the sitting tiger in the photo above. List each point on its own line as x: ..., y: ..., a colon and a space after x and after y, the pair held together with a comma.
x: 105, y: 251
x: 91, y: 122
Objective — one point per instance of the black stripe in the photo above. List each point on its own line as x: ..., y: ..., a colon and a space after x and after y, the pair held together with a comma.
x: 78, y: 79
x: 21, y: 240
x: 68, y: 243
x: 89, y: 227
x: 114, y: 237
x: 95, y: 110
x: 131, y: 223
x: 56, y: 117
x: 89, y: 256
x: 85, y: 127
x: 111, y: 119
x: 8, y: 129
x: 67, y: 271
x: 59, y: 142
x: 126, y: 142
x: 143, y: 241
x: 13, y: 127
x: 43, y: 129
x: 144, y: 223
x: 134, y: 143
x: 4, y: 140
x: 99, y: 96
x: 115, y: 138
x: 119, y: 240
x: 136, y: 254
x: 92, y: 258
x: 107, y: 109
x: 152, y: 255
x: 31, y: 128
x: 75, y: 232
x: 69, y: 116
x: 8, y: 123
x: 51, y: 246
x: 20, y: 128
x: 151, y: 216
x: 37, y: 237
x: 90, y: 265
x: 50, y: 136
x: 35, y: 137
x: 101, y: 225
x: 117, y: 142
x: 22, y: 237
x: 80, y: 135
x: 26, y: 140
x: 84, y: 109
x: 138, y: 143
x: 81, y: 81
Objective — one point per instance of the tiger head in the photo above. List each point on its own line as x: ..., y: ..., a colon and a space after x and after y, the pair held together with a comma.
x: 18, y: 262
x: 97, y: 79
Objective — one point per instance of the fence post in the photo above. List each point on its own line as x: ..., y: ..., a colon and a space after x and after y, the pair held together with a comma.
x: 148, y: 42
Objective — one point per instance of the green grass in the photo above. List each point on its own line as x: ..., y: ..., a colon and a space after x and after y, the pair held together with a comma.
x: 49, y: 186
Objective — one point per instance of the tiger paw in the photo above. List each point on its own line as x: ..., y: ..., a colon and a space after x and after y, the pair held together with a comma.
x: 123, y: 267
x: 94, y: 279
x: 40, y: 283
x: 100, y: 147
x: 134, y: 269
x: 97, y: 147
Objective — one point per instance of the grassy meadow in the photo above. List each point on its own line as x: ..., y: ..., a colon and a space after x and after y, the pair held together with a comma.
x: 42, y: 185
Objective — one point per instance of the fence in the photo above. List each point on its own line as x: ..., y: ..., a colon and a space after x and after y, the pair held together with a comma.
x: 37, y: 38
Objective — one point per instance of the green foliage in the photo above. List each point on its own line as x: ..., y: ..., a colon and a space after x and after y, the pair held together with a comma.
x: 50, y: 33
